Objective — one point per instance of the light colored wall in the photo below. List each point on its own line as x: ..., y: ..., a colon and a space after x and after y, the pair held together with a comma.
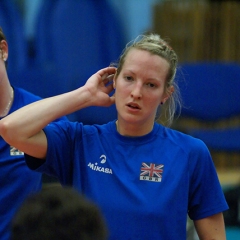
x: 136, y: 15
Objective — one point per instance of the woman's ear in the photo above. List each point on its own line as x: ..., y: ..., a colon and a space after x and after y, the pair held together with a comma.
x: 168, y: 94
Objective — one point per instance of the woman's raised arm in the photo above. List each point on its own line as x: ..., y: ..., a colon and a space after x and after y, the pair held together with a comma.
x: 23, y: 128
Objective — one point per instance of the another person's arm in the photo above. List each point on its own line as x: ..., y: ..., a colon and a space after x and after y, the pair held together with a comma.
x: 211, y: 228
x: 23, y: 128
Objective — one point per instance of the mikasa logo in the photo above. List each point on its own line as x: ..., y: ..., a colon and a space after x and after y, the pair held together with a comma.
x: 95, y: 167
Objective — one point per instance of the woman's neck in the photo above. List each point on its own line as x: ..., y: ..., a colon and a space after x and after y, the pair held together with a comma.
x: 6, y: 99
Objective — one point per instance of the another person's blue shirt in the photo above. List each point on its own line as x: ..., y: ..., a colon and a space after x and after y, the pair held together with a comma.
x: 17, y: 181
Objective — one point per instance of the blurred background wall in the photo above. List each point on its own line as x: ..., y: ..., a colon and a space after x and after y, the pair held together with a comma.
x: 200, y: 30
x: 136, y: 15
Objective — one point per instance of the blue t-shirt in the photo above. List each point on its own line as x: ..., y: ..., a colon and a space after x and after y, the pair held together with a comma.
x: 17, y: 181
x: 145, y: 186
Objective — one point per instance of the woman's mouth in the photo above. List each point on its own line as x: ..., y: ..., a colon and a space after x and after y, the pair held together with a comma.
x: 133, y: 106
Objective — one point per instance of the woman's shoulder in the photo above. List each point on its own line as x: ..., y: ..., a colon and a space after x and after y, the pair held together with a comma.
x: 182, y: 139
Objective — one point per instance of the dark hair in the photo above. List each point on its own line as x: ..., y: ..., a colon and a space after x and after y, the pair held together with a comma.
x: 154, y: 44
x: 58, y: 214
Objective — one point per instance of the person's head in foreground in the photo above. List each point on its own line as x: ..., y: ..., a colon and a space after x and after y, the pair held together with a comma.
x: 58, y: 214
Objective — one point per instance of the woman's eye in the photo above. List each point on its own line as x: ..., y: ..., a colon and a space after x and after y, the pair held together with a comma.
x: 128, y: 78
x: 151, y: 85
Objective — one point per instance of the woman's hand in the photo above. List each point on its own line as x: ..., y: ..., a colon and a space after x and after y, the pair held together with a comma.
x: 100, y: 85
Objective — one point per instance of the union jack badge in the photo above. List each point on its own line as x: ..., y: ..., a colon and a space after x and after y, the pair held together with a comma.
x: 151, y: 172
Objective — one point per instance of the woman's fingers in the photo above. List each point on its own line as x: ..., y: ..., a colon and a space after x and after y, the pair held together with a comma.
x: 106, y: 72
x: 107, y: 79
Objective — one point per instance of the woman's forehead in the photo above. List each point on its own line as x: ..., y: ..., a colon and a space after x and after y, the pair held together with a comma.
x: 144, y: 59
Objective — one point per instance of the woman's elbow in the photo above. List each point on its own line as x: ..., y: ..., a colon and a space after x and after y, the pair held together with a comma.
x: 6, y: 131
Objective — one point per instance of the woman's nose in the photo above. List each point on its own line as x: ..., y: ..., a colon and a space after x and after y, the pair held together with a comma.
x: 136, y: 91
